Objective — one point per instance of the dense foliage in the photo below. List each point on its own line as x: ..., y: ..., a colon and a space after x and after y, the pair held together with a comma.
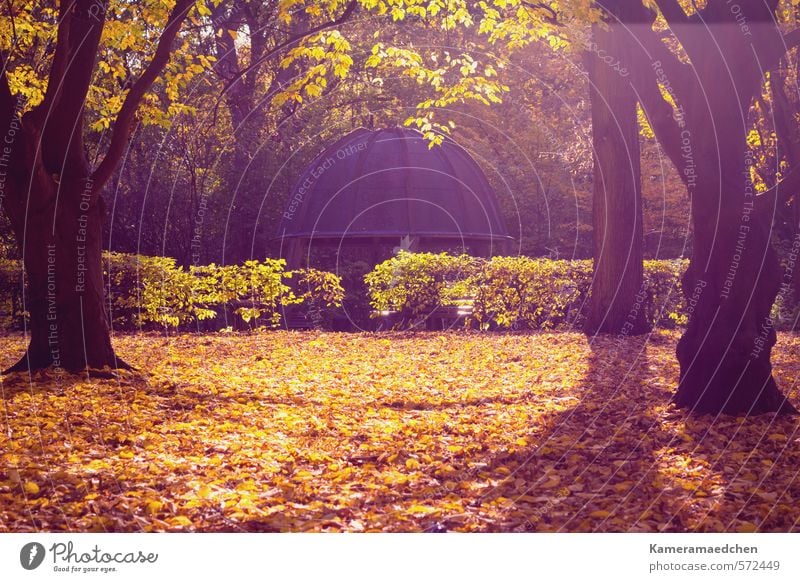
x: 513, y: 292
x: 154, y: 292
x: 503, y: 293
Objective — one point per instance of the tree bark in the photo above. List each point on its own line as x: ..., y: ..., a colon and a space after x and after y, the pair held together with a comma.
x: 734, y: 274
x: 731, y: 284
x: 59, y: 226
x: 616, y: 303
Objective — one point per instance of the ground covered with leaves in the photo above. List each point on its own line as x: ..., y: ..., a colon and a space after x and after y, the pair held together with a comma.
x: 397, y: 432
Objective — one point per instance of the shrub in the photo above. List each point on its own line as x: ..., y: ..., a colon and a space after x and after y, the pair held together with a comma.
x: 513, y: 292
x: 665, y: 305
x: 254, y: 291
x: 144, y: 292
x: 319, y: 288
x: 11, y: 290
x: 414, y: 284
x: 524, y: 293
x: 320, y: 292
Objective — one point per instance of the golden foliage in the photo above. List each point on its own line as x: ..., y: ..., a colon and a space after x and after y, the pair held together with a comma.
x: 405, y: 432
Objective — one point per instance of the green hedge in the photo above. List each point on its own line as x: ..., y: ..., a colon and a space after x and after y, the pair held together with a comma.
x: 154, y: 292
x: 503, y: 292
x: 414, y: 284
x: 511, y: 292
x: 146, y: 291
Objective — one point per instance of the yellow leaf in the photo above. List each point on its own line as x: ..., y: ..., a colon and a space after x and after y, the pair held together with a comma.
x: 31, y: 488
x: 747, y: 527
x: 154, y: 506
x: 421, y: 509
x: 600, y: 514
x: 180, y: 521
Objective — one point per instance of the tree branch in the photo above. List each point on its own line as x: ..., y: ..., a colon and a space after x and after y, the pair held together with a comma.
x: 6, y: 97
x: 661, y: 117
x: 681, y: 25
x: 61, y: 117
x: 14, y: 39
x: 659, y: 65
x: 781, y: 192
x: 787, y: 42
x: 127, y: 114
x: 351, y: 6
x: 552, y: 15
x: 60, y: 58
x: 673, y: 12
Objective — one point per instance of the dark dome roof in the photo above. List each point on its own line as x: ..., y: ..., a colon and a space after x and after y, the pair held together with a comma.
x: 389, y: 183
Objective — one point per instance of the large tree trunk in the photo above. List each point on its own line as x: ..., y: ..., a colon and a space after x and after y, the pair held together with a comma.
x: 53, y: 197
x: 61, y: 235
x: 617, y: 299
x: 731, y: 285
x: 734, y: 274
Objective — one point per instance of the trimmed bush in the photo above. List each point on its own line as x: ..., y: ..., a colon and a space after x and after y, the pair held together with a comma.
x: 154, y: 292
x: 414, y: 284
x: 513, y: 292
x: 524, y: 293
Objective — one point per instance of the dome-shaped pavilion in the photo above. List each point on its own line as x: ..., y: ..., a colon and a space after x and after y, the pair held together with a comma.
x: 388, y: 187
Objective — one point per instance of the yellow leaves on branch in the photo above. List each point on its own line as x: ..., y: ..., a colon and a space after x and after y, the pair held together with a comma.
x: 405, y: 432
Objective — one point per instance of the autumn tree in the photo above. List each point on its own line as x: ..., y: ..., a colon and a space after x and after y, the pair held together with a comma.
x: 697, y: 85
x: 53, y: 195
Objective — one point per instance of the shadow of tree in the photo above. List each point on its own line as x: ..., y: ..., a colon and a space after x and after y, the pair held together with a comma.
x: 623, y: 459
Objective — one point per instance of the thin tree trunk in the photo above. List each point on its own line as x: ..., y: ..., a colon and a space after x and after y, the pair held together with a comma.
x: 617, y: 297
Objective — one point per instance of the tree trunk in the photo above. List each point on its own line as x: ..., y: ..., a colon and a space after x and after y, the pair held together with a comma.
x: 61, y: 235
x: 53, y: 198
x: 734, y: 274
x: 725, y: 352
x: 616, y: 303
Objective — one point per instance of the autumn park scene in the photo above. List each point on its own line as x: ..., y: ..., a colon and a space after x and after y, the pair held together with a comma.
x: 399, y: 266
